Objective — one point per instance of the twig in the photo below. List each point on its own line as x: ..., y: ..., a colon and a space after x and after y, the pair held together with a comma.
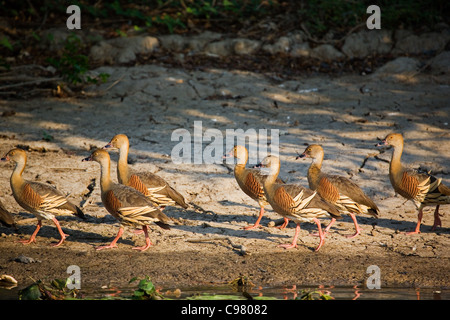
x: 26, y: 221
x: 275, y: 223
x: 426, y: 65
x: 87, y: 197
x: 15, y: 78
x: 68, y: 168
x: 367, y: 158
x: 205, y: 240
x: 197, y: 207
x: 312, y: 39
x: 239, y: 248
x: 374, y: 155
x: 86, y: 202
x: 98, y: 94
x: 27, y: 83
x: 115, y: 83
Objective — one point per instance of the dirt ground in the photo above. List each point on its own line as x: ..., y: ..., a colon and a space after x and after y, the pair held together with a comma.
x: 206, y: 244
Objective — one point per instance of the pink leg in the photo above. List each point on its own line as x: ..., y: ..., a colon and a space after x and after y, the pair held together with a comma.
x: 261, y: 213
x: 358, y: 230
x: 326, y: 229
x: 113, y: 243
x: 285, y: 223
x: 147, y: 240
x: 321, y: 235
x: 294, y: 241
x: 61, y: 233
x: 419, y: 220
x: 437, y: 219
x: 33, y: 236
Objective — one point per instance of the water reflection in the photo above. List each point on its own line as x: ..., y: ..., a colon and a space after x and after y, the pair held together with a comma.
x: 285, y: 293
x: 291, y: 292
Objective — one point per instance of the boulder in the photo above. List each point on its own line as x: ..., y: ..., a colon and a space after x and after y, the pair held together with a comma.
x: 441, y: 63
x: 122, y: 50
x: 173, y: 42
x: 301, y: 50
x: 281, y: 45
x: 245, y: 46
x: 220, y: 48
x: 409, y: 43
x: 326, y: 52
x: 368, y: 42
x: 401, y: 68
x: 198, y: 42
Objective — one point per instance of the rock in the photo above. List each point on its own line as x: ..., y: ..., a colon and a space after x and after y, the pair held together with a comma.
x: 301, y: 50
x: 245, y: 46
x: 173, y: 42
x: 368, y: 42
x: 220, y: 48
x: 281, y: 45
x: 53, y: 39
x: 441, y: 63
x: 198, y: 43
x: 122, y: 50
x: 409, y: 43
x: 398, y: 69
x: 297, y: 37
x: 25, y: 259
x: 326, y: 52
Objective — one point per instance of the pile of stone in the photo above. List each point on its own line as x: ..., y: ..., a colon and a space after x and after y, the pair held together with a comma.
x: 400, y: 44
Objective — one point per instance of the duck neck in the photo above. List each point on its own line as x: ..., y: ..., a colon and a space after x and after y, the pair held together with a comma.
x: 17, y: 181
x: 242, y: 159
x: 272, y: 175
x: 314, y: 172
x: 105, y: 178
x: 122, y: 164
x: 395, y: 166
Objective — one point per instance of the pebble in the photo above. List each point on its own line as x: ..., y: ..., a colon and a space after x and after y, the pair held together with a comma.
x: 25, y: 259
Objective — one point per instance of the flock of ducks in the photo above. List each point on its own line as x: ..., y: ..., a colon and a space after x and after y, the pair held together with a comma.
x: 140, y: 197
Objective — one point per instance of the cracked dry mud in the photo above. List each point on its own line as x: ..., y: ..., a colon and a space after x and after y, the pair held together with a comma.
x: 206, y: 244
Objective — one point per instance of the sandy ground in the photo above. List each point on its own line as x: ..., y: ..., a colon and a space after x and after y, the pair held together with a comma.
x: 346, y: 115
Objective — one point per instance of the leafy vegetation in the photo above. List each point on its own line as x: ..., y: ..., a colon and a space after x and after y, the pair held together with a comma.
x: 320, y: 15
x: 313, y: 295
x: 324, y: 15
x: 57, y: 290
x: 72, y: 64
x: 146, y: 290
x: 21, y: 39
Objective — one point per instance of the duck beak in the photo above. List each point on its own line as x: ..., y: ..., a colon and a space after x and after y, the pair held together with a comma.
x: 228, y: 155
x: 381, y: 143
x: 300, y: 156
x: 265, y: 171
x: 87, y: 159
x: 109, y: 146
x: 5, y: 158
x: 259, y: 165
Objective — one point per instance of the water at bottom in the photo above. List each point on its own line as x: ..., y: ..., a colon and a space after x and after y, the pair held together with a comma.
x: 226, y: 292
